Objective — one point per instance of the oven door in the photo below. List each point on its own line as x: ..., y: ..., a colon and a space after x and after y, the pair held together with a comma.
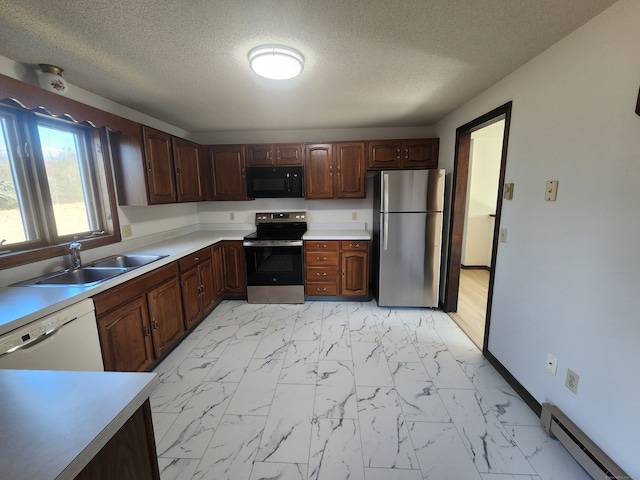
x: 274, y: 263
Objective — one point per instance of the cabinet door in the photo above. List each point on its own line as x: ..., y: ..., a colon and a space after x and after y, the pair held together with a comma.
x: 422, y: 153
x: 354, y: 273
x: 260, y: 155
x: 160, y: 168
x: 234, y: 268
x: 125, y: 337
x: 186, y: 157
x: 191, y: 293
x: 351, y: 171
x: 318, y: 171
x: 385, y: 154
x: 226, y: 164
x: 218, y: 271
x: 207, y: 283
x: 288, y: 154
x: 165, y: 311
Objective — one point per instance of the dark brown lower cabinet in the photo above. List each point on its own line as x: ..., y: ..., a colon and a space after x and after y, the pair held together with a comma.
x: 198, y: 288
x: 139, y: 320
x: 235, y: 275
x: 336, y: 268
x: 129, y: 455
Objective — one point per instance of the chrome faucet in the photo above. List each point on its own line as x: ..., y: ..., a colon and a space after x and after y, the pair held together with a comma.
x: 75, y: 247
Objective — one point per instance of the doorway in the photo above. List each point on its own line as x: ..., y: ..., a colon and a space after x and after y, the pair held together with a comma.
x: 478, y: 181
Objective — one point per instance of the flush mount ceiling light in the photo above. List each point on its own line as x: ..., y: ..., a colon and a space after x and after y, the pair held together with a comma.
x: 51, y: 79
x: 276, y: 62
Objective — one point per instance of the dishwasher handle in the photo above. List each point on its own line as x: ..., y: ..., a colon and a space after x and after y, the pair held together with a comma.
x: 40, y: 338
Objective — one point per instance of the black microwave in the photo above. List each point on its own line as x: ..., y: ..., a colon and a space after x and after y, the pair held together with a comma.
x: 275, y: 182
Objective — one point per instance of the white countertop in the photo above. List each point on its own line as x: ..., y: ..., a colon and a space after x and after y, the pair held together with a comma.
x: 22, y: 305
x: 322, y: 234
x: 54, y: 423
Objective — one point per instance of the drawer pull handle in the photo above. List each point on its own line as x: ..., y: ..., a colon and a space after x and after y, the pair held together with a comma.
x: 197, y: 259
x: 321, y: 246
x: 321, y: 258
x: 323, y: 274
x: 322, y: 289
x: 354, y: 245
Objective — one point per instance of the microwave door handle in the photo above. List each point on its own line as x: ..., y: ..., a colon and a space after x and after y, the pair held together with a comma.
x: 287, y: 183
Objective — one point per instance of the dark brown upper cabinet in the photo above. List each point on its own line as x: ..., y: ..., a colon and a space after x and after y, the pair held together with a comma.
x: 158, y: 156
x: 157, y: 168
x: 187, y: 158
x: 335, y: 170
x: 274, y: 154
x: 351, y: 170
x: 226, y: 166
x: 416, y: 153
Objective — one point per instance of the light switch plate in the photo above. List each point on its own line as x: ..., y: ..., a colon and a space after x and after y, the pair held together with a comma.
x: 503, y: 235
x: 508, y: 191
x: 551, y: 192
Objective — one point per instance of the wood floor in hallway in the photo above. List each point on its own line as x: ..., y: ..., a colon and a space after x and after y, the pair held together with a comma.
x: 472, y: 303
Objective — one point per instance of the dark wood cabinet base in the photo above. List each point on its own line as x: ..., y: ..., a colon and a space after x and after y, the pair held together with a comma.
x: 130, y: 454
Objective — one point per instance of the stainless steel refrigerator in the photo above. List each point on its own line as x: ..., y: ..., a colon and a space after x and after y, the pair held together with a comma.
x: 407, y: 237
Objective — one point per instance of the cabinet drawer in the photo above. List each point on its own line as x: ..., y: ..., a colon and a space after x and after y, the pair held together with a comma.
x: 321, y: 274
x: 355, y: 245
x: 194, y: 259
x: 317, y: 288
x: 321, y: 245
x: 321, y: 258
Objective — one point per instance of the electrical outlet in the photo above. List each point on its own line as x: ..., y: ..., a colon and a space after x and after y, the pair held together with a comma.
x: 354, y: 215
x: 552, y: 363
x: 232, y: 216
x: 503, y: 235
x: 126, y: 231
x: 551, y: 193
x: 572, y: 381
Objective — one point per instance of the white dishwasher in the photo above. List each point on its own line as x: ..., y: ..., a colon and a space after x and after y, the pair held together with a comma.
x: 64, y: 340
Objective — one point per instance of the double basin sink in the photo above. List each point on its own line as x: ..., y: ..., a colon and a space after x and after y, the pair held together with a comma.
x: 93, y: 273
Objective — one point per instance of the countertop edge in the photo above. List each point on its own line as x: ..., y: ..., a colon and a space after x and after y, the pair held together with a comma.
x: 94, y: 447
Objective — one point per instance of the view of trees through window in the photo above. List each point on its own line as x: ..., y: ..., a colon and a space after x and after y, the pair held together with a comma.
x: 61, y: 153
x: 66, y: 160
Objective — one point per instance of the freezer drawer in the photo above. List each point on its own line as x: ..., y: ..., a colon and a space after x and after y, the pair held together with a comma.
x: 409, y: 270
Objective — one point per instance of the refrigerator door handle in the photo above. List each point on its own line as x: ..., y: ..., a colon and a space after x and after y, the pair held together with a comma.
x: 385, y: 196
x: 384, y: 219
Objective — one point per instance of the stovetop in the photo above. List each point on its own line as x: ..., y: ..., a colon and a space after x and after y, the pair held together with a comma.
x: 279, y: 226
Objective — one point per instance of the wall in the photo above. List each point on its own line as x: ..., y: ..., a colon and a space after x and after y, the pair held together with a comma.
x: 567, y: 279
x: 484, y: 173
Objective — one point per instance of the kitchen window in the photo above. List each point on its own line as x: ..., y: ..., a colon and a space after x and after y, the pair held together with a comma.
x: 55, y: 184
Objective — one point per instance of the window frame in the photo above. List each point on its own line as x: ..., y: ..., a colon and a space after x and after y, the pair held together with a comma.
x: 51, y: 244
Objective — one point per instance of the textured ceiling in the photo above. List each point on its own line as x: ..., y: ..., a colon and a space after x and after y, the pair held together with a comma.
x: 369, y: 63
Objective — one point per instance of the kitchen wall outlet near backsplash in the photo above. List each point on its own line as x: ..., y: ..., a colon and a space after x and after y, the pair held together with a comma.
x: 126, y: 231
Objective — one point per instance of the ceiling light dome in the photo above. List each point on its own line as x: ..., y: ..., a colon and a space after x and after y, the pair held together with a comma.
x: 276, y: 62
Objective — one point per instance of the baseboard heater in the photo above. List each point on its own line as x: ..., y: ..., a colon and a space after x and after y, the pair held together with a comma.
x: 580, y: 446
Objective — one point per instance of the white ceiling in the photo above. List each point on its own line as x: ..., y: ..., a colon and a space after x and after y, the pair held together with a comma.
x: 369, y: 63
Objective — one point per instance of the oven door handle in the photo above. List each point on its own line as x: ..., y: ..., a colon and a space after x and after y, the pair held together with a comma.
x: 272, y: 243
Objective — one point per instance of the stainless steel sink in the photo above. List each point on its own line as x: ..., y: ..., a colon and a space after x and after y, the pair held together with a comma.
x: 84, y: 276
x: 93, y: 273
x: 127, y: 261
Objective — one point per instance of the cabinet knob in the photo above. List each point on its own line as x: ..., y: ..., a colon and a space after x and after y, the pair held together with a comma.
x: 398, y: 153
x: 197, y: 259
x: 330, y: 170
x: 146, y: 331
x: 406, y: 153
x: 155, y: 325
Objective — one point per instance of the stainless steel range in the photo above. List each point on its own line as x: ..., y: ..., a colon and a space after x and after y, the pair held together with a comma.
x: 274, y: 254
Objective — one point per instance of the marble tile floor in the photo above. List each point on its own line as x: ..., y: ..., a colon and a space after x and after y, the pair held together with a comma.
x: 335, y: 391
